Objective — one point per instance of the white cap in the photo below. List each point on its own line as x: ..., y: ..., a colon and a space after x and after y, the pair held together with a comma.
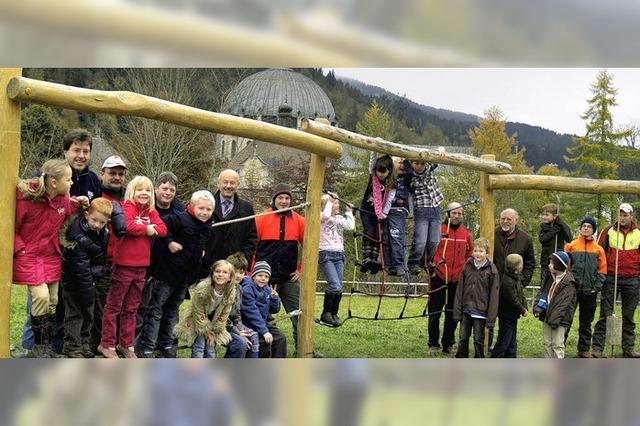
x: 626, y: 207
x: 113, y: 161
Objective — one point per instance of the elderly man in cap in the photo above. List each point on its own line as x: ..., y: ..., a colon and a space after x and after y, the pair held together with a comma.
x: 278, y: 237
x: 621, y: 244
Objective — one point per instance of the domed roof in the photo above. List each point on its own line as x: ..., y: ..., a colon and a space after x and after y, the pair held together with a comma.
x: 265, y: 92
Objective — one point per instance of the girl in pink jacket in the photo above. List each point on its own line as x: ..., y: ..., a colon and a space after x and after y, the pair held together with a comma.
x: 42, y: 205
x: 131, y: 257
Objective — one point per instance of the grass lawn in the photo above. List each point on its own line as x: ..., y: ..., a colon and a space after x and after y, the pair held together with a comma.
x: 357, y: 338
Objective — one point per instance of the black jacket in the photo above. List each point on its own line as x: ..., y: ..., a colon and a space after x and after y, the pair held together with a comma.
x: 551, y: 244
x: 85, y: 183
x: 478, y: 291
x: 518, y: 242
x: 183, y: 268
x: 561, y: 308
x: 86, y: 260
x: 228, y: 239
x: 159, y: 249
x: 512, y: 300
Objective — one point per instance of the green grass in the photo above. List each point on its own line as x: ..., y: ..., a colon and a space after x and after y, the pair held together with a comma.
x: 357, y: 338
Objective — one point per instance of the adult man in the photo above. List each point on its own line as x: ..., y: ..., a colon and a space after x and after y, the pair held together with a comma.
x: 113, y: 178
x: 235, y: 237
x: 508, y: 239
x: 76, y: 148
x: 278, y: 237
x: 168, y: 207
x: 621, y: 243
x: 453, y: 250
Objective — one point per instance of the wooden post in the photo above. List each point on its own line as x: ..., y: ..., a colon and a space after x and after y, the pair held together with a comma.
x: 487, y: 207
x: 310, y: 257
x: 9, y: 164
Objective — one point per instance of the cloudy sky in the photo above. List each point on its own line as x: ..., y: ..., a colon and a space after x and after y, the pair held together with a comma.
x: 553, y: 98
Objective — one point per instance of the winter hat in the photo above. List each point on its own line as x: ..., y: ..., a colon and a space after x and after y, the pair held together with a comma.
x: 281, y: 188
x: 261, y: 266
x: 591, y: 221
x: 562, y: 257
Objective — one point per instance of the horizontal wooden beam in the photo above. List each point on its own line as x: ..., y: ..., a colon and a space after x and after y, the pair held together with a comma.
x: 133, y: 104
x: 565, y: 184
x: 404, y: 151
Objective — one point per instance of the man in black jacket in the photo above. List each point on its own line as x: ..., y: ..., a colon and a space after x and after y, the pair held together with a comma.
x: 240, y: 236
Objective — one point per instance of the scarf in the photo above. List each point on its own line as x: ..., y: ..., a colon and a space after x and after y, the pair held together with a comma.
x: 378, y: 200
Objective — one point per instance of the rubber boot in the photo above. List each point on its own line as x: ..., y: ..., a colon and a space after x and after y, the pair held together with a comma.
x: 335, y: 307
x: 39, y: 347
x: 326, y: 316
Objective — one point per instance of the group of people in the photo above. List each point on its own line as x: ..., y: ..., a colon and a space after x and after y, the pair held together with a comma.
x: 108, y: 263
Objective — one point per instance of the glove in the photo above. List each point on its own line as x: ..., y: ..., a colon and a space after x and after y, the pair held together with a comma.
x: 539, y: 312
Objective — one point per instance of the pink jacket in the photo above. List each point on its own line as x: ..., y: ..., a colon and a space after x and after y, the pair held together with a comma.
x: 36, y: 247
x: 134, y: 249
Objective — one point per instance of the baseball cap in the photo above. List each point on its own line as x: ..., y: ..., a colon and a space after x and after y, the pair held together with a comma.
x: 626, y: 207
x: 113, y: 161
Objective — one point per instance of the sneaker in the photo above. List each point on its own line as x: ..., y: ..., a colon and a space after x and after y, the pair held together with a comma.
x: 87, y: 352
x: 169, y: 352
x: 631, y: 353
x: 108, y: 352
x: 19, y: 352
x: 585, y: 354
x: 143, y: 354
x: 129, y: 352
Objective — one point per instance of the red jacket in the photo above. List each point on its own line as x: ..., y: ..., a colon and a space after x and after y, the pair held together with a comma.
x: 628, y: 247
x: 112, y: 237
x: 278, y: 238
x: 134, y: 249
x: 37, y: 256
x: 459, y: 248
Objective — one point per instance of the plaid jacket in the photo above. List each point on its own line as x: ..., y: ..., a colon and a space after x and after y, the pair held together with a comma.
x: 424, y: 187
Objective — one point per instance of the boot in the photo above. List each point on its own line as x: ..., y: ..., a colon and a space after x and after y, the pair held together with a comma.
x: 326, y: 316
x: 335, y: 306
x: 50, y: 320
x: 40, y: 346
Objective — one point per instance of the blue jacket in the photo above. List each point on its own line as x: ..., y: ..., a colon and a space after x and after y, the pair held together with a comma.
x: 85, y: 183
x: 257, y: 304
x: 183, y: 268
x: 159, y: 250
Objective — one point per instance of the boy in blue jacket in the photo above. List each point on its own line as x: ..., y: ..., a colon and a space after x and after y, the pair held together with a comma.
x: 258, y: 301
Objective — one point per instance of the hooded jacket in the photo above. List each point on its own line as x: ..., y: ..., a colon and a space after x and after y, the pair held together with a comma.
x: 589, y: 264
x: 512, y: 301
x: 553, y: 236
x: 84, y: 255
x: 257, y: 304
x: 478, y: 291
x: 561, y: 300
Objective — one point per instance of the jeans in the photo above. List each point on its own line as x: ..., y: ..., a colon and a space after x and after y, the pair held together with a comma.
x: 507, y: 342
x: 426, y: 235
x: 395, y: 233
x: 467, y: 325
x: 332, y: 265
x: 237, y: 347
x: 78, y: 319
x: 27, y: 331
x: 161, y: 315
x: 122, y: 302
x: 587, y: 304
x: 200, y: 349
x: 628, y: 289
x: 437, y: 302
x: 289, y: 292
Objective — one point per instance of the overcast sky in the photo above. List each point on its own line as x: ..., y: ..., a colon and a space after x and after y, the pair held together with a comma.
x: 553, y: 98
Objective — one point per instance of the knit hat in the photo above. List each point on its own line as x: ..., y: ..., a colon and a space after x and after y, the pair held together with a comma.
x: 591, y: 221
x: 562, y: 257
x: 281, y: 188
x: 261, y: 266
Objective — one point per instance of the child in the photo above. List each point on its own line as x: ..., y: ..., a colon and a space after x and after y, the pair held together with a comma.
x: 204, y: 324
x: 397, y: 221
x: 476, y: 302
x: 181, y: 254
x: 130, y: 261
x: 375, y: 207
x: 555, y: 304
x: 553, y: 235
x: 426, y: 213
x: 331, y: 256
x: 258, y: 301
x: 42, y: 205
x: 244, y: 341
x: 512, y: 305
x: 84, y: 261
x: 589, y: 268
